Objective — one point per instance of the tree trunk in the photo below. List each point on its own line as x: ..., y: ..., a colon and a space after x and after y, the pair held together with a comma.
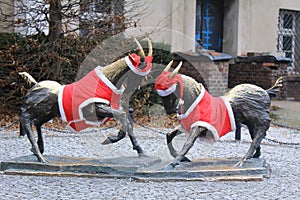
x: 55, y: 20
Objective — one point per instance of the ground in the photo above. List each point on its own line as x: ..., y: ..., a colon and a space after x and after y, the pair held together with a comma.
x: 284, y: 161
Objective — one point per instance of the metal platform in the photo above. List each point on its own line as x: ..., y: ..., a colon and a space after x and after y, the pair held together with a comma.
x: 143, y: 169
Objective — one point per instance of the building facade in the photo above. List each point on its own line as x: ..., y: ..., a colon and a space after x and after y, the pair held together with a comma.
x: 235, y: 27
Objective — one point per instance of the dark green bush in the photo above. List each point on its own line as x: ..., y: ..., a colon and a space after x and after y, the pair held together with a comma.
x: 59, y: 62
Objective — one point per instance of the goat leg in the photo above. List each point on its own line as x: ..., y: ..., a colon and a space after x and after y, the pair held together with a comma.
x: 40, y: 140
x: 34, y: 147
x: 22, y: 130
x: 257, y: 153
x: 194, y: 134
x: 255, y: 145
x: 170, y: 136
x: 132, y: 138
x: 103, y: 110
x: 113, y: 139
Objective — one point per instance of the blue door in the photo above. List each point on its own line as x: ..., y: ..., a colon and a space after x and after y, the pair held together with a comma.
x: 209, y: 24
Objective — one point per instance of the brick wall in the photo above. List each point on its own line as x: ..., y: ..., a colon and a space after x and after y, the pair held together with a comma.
x: 255, y: 73
x: 259, y: 70
x: 218, y: 75
x: 292, y: 87
x: 212, y: 74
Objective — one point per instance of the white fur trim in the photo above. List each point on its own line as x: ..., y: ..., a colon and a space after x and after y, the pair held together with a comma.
x: 211, y: 128
x: 230, y: 112
x: 87, y: 102
x: 167, y: 92
x: 134, y: 69
x: 70, y: 127
x: 107, y: 82
x: 60, y: 104
x: 194, y: 104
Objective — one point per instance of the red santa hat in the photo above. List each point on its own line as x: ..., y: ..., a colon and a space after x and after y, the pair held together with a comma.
x: 165, y: 84
x: 133, y: 61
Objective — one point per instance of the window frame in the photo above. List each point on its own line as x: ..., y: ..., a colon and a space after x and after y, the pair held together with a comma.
x: 287, y: 32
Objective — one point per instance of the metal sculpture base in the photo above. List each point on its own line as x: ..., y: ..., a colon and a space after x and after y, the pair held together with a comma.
x: 144, y: 169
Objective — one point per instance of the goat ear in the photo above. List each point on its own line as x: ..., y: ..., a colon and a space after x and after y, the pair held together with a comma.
x: 168, y: 66
x: 176, y: 70
x: 140, y: 48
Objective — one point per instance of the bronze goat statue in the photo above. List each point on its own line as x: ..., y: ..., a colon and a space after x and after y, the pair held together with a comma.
x: 84, y: 103
x: 201, y: 115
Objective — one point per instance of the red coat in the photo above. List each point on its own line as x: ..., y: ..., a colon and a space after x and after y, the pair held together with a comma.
x: 94, y: 87
x: 214, y: 113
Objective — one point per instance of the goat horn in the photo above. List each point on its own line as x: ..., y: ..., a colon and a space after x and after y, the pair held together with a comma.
x: 150, y: 51
x: 168, y: 66
x: 140, y: 48
x: 131, y: 57
x: 176, y: 70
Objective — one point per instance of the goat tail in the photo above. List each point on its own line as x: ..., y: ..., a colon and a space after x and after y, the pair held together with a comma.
x: 276, y: 87
x: 28, y: 78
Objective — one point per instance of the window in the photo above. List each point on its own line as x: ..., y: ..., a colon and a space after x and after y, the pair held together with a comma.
x: 209, y: 24
x: 289, y: 36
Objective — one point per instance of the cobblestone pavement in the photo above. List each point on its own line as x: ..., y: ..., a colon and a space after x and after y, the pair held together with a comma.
x: 284, y: 161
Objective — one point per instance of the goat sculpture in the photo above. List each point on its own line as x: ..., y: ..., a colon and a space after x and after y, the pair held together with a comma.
x: 84, y: 103
x: 199, y: 112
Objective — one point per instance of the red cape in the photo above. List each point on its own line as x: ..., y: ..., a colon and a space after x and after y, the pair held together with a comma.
x: 94, y: 87
x: 214, y: 113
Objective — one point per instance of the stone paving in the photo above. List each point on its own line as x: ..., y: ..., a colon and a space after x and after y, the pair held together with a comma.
x: 284, y: 161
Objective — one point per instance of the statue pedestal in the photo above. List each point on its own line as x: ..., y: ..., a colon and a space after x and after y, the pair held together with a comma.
x: 144, y: 169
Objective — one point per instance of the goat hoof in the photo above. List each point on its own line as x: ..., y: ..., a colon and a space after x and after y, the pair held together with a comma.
x: 239, y: 164
x: 107, y: 141
x: 143, y: 155
x: 185, y: 159
x: 112, y: 139
x: 257, y: 155
x: 169, y: 167
x: 39, y: 156
x: 43, y: 160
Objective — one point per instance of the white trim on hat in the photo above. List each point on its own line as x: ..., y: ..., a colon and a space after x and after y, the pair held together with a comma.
x: 167, y: 92
x: 134, y: 69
